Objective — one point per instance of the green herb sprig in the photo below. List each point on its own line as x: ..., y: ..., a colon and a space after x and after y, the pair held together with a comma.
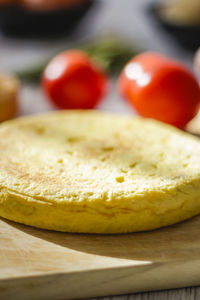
x: 111, y: 53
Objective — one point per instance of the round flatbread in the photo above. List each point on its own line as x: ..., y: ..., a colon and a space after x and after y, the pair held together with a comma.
x: 92, y: 172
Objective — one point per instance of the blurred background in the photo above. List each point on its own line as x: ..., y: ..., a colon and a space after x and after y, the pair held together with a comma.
x: 33, y: 31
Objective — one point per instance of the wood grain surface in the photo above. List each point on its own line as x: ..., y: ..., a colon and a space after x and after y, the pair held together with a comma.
x: 176, y: 294
x: 41, y: 264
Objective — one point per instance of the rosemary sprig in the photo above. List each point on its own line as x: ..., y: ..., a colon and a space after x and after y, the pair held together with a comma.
x: 110, y: 53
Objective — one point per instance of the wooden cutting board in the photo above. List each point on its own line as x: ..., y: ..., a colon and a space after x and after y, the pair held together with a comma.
x: 39, y: 264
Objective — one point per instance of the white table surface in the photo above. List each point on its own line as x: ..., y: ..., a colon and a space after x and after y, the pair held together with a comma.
x: 127, y: 17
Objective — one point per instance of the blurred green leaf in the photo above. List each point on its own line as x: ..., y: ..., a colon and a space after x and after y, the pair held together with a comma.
x: 111, y: 53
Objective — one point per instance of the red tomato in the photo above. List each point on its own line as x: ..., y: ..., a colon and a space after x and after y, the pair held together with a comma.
x: 160, y: 88
x: 72, y: 81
